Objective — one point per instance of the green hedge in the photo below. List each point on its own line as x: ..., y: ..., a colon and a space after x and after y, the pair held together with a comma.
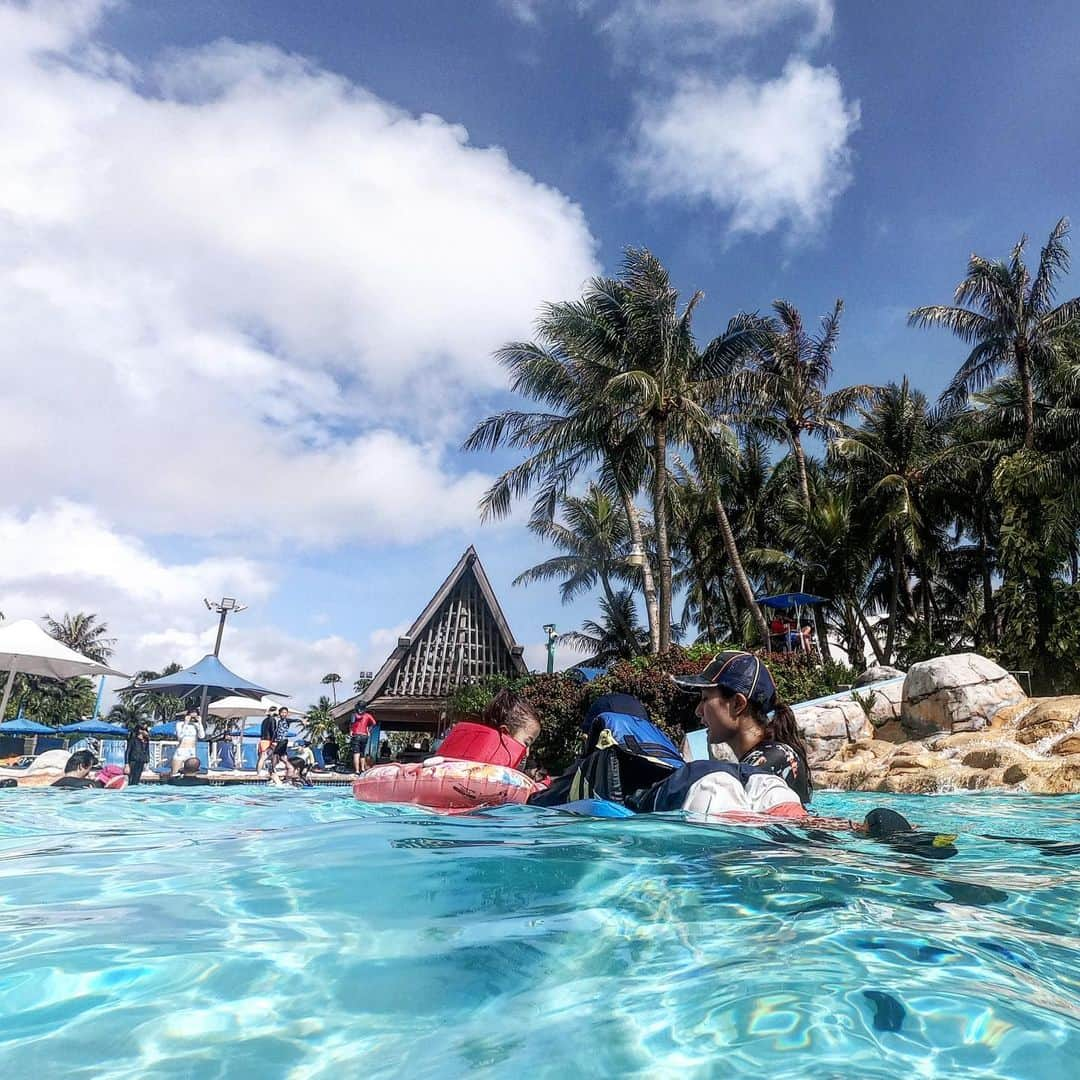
x: 562, y: 701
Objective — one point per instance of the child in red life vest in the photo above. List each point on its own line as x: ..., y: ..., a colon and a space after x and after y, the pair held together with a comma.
x: 510, y: 726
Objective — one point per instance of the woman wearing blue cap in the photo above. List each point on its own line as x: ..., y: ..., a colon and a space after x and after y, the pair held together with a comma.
x: 739, y: 707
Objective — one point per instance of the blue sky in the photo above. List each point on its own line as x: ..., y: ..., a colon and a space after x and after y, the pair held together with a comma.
x: 256, y: 256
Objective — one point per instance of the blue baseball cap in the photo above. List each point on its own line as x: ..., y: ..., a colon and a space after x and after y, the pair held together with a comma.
x: 740, y: 672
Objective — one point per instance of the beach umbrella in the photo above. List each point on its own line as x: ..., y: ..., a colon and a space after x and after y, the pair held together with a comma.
x: 25, y: 647
x: 241, y: 706
x: 101, y: 729
x: 209, y: 674
x: 785, y: 601
x: 22, y: 726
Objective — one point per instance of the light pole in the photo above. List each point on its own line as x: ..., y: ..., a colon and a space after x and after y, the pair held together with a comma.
x: 552, y: 637
x: 223, y: 607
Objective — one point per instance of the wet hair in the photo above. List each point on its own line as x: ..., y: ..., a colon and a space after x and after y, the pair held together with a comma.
x: 511, y: 712
x: 779, y: 725
x: 191, y: 766
x: 81, y: 759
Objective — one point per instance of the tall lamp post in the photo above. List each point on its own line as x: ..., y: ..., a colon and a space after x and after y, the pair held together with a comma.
x: 552, y: 637
x: 224, y: 606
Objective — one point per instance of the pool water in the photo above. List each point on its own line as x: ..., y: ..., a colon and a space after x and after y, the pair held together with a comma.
x: 292, y: 933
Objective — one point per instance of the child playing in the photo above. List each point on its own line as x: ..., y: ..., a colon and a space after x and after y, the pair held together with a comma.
x: 510, y: 726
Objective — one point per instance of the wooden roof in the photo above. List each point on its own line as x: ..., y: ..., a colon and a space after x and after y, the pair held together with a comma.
x: 461, y: 636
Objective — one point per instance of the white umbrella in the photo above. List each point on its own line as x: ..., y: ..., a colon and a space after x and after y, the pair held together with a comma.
x: 241, y: 706
x: 25, y: 647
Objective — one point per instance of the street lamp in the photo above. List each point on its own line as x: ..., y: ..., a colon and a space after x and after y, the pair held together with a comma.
x: 552, y: 637
x: 223, y: 607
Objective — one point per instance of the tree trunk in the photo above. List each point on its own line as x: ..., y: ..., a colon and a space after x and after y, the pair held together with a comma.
x: 800, y: 461
x: 928, y: 619
x: 703, y: 591
x: 989, y: 618
x: 856, y: 640
x: 822, y: 633
x: 732, y: 624
x: 742, y: 582
x: 894, y: 596
x: 868, y: 630
x: 648, y: 582
x: 1023, y: 372
x: 663, y: 551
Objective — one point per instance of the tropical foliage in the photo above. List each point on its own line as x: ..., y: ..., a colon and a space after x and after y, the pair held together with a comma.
x: 672, y: 475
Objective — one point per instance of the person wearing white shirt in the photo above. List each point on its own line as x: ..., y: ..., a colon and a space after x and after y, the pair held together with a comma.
x: 188, y: 732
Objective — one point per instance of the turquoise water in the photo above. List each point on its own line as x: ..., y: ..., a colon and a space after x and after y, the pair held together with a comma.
x: 298, y: 933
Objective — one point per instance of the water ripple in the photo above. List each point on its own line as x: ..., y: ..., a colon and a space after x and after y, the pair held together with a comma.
x: 213, y: 934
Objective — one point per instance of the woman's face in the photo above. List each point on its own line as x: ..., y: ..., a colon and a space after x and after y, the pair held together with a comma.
x: 720, y: 714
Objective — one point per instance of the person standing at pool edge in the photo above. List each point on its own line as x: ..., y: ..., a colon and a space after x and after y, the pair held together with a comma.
x: 359, y: 731
x: 137, y: 753
x: 739, y: 707
x: 279, y: 749
x: 266, y: 737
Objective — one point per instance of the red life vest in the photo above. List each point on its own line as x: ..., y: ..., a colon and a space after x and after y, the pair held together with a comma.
x: 477, y: 742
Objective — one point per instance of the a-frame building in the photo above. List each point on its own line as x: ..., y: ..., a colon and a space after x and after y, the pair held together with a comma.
x: 460, y: 637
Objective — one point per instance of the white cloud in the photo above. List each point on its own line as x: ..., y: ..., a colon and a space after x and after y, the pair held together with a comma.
x: 767, y: 153
x: 66, y: 557
x: 684, y: 27
x: 699, y: 27
x: 239, y: 293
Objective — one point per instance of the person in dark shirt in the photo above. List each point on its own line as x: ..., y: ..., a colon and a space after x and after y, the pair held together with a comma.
x: 279, y: 749
x: 189, y: 775
x: 266, y: 737
x: 138, y: 752
x: 739, y: 707
x: 77, y: 772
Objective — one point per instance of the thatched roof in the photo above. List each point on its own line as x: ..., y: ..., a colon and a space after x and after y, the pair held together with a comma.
x: 461, y: 636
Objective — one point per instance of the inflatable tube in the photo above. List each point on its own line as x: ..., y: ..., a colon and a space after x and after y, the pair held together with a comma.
x: 444, y: 784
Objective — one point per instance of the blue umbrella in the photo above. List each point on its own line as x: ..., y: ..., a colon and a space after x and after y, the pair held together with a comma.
x: 22, y: 726
x: 101, y: 728
x: 209, y: 674
x: 791, y: 600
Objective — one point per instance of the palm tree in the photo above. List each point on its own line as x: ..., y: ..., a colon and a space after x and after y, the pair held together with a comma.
x: 896, y: 458
x: 361, y: 684
x: 1010, y: 320
x: 784, y: 392
x: 331, y: 679
x: 129, y: 713
x: 595, y: 541
x: 160, y: 706
x: 668, y: 388
x: 84, y: 633
x: 618, y: 636
x: 829, y: 550
x: 580, y: 346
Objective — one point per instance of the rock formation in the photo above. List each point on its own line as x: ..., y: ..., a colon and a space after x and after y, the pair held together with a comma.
x: 956, y: 693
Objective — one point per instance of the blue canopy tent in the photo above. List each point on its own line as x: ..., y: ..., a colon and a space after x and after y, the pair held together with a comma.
x: 100, y: 729
x: 790, y: 601
x: 210, y: 679
x: 209, y: 674
x: 22, y: 726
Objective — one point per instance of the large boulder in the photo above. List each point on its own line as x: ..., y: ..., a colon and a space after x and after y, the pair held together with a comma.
x: 956, y: 693
x: 878, y: 673
x: 828, y: 725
